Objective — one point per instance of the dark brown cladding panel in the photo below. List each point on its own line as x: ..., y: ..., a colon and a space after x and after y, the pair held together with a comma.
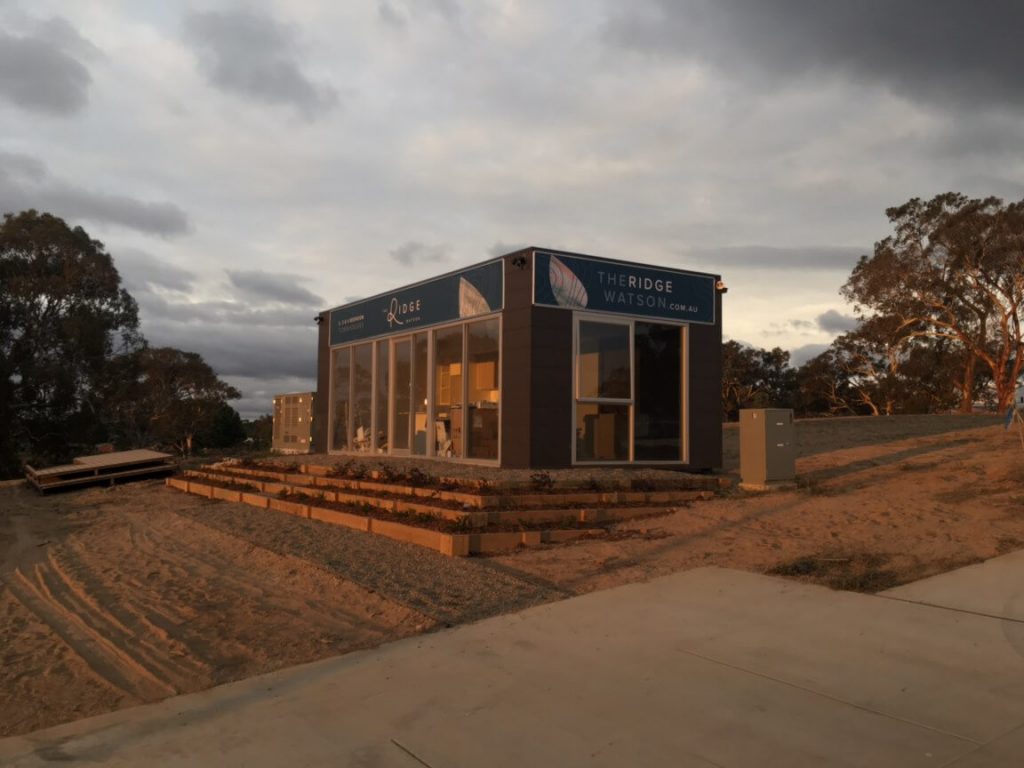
x: 515, y: 360
x: 705, y: 395
x: 551, y: 397
x: 322, y: 405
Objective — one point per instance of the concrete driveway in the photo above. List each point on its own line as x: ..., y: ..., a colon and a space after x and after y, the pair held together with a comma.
x: 710, y: 667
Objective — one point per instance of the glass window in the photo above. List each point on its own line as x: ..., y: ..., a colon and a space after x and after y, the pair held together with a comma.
x: 448, y: 392
x: 362, y: 397
x: 341, y: 380
x: 602, y: 432
x: 402, y: 402
x: 658, y: 407
x: 629, y: 379
x: 380, y: 412
x: 483, y: 375
x: 419, y: 393
x: 603, y: 362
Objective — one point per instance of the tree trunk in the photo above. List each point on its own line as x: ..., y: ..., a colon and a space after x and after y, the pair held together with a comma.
x: 967, y: 386
x: 1005, y: 389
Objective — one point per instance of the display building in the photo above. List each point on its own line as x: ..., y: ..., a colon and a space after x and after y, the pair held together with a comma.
x: 539, y: 359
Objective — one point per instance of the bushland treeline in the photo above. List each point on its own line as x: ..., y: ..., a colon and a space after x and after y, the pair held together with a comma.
x: 74, y: 368
x: 938, y: 308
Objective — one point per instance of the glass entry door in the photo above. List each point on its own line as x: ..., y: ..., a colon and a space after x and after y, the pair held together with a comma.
x: 401, y: 401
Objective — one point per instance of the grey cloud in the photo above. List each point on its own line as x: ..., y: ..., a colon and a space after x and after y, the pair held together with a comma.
x: 155, y: 218
x: 258, y: 393
x: 39, y: 75
x: 59, y: 32
x: 222, y: 312
x: 29, y: 168
x: 26, y: 183
x: 390, y: 15
x: 449, y: 9
x: 273, y: 286
x: 415, y: 252
x: 834, y: 321
x: 500, y: 248
x: 252, y: 55
x: 837, y: 258
x: 941, y: 52
x: 238, y: 350
x: 984, y: 184
x: 801, y: 327
x: 271, y: 349
x: 801, y: 355
x: 396, y: 13
x: 144, y: 272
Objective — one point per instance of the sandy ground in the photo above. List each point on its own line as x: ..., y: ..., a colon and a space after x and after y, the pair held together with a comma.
x: 866, y: 517
x: 112, y: 597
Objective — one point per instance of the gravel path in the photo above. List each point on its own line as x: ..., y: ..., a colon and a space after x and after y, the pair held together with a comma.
x: 448, y: 590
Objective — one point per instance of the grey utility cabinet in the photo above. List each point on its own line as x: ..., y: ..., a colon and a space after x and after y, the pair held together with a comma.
x: 767, y: 447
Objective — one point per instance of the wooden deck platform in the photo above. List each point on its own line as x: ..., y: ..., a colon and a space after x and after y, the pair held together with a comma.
x: 102, y: 467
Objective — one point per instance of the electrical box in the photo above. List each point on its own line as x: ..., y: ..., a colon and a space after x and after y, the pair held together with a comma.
x: 767, y: 447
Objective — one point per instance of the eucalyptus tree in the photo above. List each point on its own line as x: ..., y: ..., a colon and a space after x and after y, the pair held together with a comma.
x: 954, y: 271
x: 63, y: 317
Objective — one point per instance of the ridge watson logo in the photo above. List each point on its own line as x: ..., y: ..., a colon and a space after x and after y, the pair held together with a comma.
x: 397, y: 310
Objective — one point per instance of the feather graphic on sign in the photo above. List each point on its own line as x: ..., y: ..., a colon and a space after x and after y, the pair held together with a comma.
x: 567, y: 288
x: 471, y: 301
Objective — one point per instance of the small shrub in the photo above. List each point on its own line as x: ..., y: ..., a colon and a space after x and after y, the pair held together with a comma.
x: 859, y: 572
x: 447, y: 484
x: 416, y: 477
x: 423, y: 518
x: 644, y: 484
x: 593, y: 484
x: 340, y: 469
x: 388, y: 474
x: 462, y: 524
x: 542, y: 481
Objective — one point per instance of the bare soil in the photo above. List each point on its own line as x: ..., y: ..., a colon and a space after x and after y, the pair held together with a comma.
x: 868, y: 516
x: 111, y: 597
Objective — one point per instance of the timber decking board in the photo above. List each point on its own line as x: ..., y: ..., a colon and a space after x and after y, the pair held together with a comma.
x: 105, y: 461
x: 99, y: 467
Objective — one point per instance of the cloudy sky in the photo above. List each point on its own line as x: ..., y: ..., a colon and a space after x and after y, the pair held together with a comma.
x: 248, y: 164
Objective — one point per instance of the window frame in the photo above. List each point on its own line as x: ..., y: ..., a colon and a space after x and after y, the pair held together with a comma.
x: 430, y: 332
x: 684, y: 361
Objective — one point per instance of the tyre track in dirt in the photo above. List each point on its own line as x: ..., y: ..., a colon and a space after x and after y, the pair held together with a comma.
x: 446, y: 590
x: 115, y: 599
x: 111, y: 650
x: 204, y: 561
x: 126, y: 621
x: 87, y: 635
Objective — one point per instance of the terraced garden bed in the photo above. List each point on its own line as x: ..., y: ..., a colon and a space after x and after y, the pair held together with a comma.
x: 454, y: 522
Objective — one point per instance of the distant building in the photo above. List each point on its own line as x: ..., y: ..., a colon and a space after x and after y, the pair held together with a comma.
x: 538, y: 358
x: 293, y: 422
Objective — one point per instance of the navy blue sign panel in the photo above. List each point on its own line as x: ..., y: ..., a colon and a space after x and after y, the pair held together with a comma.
x: 471, y: 292
x: 573, y: 282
